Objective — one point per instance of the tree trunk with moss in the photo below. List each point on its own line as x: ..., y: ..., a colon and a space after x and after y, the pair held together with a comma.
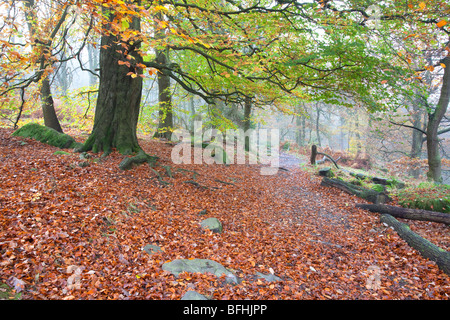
x: 425, y: 247
x: 407, y: 213
x: 367, y: 194
x: 119, y: 96
x: 434, y: 119
x: 165, y: 125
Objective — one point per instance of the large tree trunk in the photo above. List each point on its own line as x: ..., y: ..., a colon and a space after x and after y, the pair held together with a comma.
x: 434, y: 158
x: 425, y: 247
x: 119, y: 96
x: 406, y: 213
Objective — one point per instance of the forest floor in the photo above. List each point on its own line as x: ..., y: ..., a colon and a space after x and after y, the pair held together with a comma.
x: 77, y: 232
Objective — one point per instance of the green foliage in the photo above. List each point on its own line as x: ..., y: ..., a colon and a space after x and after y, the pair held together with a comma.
x: 286, y: 146
x: 378, y: 188
x: 9, y: 107
x: 77, y: 108
x: 427, y: 196
x: 7, y: 293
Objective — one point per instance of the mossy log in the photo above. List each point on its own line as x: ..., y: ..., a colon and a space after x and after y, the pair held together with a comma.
x: 325, y: 172
x: 46, y: 135
x: 425, y: 247
x: 367, y: 194
x: 379, y: 180
x: 406, y: 213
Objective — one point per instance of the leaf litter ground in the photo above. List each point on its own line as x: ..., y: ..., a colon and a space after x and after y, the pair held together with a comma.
x: 77, y: 232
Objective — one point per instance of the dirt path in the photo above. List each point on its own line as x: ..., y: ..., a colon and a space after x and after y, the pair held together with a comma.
x: 289, y: 161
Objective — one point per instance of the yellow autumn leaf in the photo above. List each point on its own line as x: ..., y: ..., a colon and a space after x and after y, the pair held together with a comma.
x: 443, y: 65
x: 422, y: 5
x: 160, y: 8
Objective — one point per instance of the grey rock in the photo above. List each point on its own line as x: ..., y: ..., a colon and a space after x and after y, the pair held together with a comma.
x: 201, y: 266
x: 193, y: 295
x: 268, y: 277
x: 152, y: 249
x: 212, y: 224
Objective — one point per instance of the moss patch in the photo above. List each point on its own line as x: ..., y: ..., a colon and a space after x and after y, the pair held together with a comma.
x: 427, y: 196
x: 46, y: 135
x: 6, y: 293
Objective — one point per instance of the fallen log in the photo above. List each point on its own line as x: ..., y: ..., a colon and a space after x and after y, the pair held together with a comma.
x: 406, y: 213
x: 378, y: 180
x: 425, y: 247
x: 367, y: 194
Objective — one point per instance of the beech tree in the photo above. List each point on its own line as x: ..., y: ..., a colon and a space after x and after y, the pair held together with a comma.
x: 254, y: 54
x: 120, y: 83
x: 231, y: 52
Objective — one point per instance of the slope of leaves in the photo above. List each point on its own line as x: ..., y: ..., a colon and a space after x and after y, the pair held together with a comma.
x: 77, y: 232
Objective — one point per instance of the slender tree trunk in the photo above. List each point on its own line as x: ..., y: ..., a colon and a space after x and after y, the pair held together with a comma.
x: 317, y: 125
x: 247, y: 120
x: 165, y: 125
x: 298, y: 131
x: 358, y: 136
x: 165, y: 101
x: 342, y: 134
x: 417, y: 137
x: 434, y: 119
x: 48, y: 107
x: 119, y: 96
x: 192, y: 117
